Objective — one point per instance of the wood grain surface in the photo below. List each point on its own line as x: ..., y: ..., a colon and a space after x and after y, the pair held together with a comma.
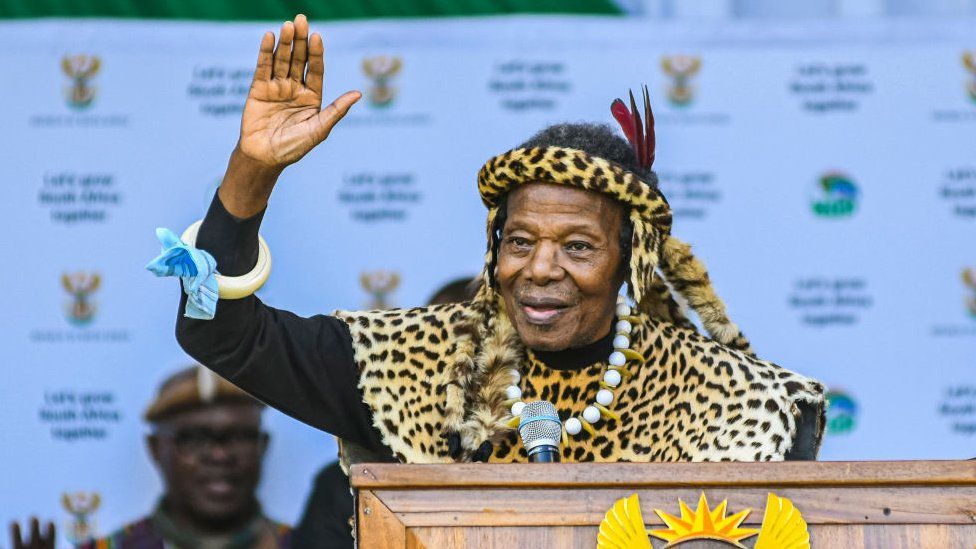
x: 585, y: 475
x: 920, y: 504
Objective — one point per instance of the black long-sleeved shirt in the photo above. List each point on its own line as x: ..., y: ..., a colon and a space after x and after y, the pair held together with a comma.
x: 301, y: 366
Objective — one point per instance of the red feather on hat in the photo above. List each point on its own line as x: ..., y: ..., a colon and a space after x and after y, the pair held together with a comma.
x: 639, y: 132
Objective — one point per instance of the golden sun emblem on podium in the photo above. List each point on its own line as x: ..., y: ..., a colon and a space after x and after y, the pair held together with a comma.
x: 782, y: 527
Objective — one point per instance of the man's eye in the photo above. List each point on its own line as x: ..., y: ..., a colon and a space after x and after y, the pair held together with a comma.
x: 193, y: 438
x: 518, y: 241
x: 579, y: 246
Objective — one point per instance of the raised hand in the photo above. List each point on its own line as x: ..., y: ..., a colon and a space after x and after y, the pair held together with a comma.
x: 36, y: 540
x: 283, y: 118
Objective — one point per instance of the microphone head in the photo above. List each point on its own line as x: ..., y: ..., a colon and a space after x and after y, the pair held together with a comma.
x: 540, y: 425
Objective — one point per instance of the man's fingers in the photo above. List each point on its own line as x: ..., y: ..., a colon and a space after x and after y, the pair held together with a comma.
x: 297, y: 69
x: 49, y: 535
x: 333, y: 113
x: 15, y: 539
x: 282, y: 54
x: 35, y: 536
x: 265, y: 56
x: 316, y: 64
x: 343, y: 103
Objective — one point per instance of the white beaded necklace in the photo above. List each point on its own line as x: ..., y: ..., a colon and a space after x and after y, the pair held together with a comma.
x: 611, y: 379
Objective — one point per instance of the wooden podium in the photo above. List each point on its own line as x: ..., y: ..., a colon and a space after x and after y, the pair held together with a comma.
x: 910, y: 504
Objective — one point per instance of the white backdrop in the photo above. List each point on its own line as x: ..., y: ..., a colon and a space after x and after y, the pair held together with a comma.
x: 826, y: 175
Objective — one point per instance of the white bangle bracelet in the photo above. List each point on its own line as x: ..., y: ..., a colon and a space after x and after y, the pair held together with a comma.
x: 237, y: 287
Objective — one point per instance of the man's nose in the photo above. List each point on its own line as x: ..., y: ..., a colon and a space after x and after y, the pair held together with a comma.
x: 218, y: 452
x: 544, y: 264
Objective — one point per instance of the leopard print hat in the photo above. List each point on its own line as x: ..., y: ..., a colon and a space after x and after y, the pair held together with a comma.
x: 659, y: 262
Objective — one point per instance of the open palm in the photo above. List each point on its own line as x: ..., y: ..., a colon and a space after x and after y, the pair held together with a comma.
x: 283, y: 118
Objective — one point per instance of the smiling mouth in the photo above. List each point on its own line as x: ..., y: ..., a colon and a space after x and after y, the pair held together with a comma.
x: 218, y: 487
x: 543, y: 313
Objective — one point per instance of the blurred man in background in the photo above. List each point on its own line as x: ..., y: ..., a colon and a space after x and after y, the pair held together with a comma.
x: 208, y: 446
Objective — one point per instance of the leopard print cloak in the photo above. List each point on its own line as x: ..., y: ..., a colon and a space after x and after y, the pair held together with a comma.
x: 693, y: 399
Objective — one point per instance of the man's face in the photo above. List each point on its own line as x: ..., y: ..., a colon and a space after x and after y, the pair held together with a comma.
x: 559, y: 265
x: 210, y: 459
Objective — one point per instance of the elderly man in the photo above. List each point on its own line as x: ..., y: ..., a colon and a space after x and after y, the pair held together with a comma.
x: 208, y: 445
x: 573, y: 214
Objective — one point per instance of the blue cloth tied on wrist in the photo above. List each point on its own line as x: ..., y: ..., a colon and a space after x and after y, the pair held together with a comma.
x: 196, y: 268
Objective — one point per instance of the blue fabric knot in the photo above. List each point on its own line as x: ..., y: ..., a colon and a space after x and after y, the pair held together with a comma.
x: 196, y: 268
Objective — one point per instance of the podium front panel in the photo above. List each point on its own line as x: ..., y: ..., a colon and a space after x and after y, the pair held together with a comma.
x: 844, y: 504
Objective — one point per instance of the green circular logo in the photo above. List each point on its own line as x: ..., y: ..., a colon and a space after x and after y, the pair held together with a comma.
x: 836, y: 196
x: 841, y: 412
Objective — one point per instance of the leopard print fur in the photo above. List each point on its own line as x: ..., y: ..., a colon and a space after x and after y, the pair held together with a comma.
x: 693, y: 399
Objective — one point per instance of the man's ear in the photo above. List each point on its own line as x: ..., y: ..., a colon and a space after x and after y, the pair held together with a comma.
x: 624, y: 243
x: 622, y: 276
x: 153, y: 447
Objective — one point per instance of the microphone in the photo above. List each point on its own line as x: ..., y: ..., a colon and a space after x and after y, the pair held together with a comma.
x: 541, y: 431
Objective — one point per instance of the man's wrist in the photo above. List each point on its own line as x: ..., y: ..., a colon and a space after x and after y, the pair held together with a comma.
x: 231, y: 240
x: 247, y: 185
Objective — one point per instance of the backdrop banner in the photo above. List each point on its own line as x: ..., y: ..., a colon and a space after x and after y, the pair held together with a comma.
x: 825, y: 173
